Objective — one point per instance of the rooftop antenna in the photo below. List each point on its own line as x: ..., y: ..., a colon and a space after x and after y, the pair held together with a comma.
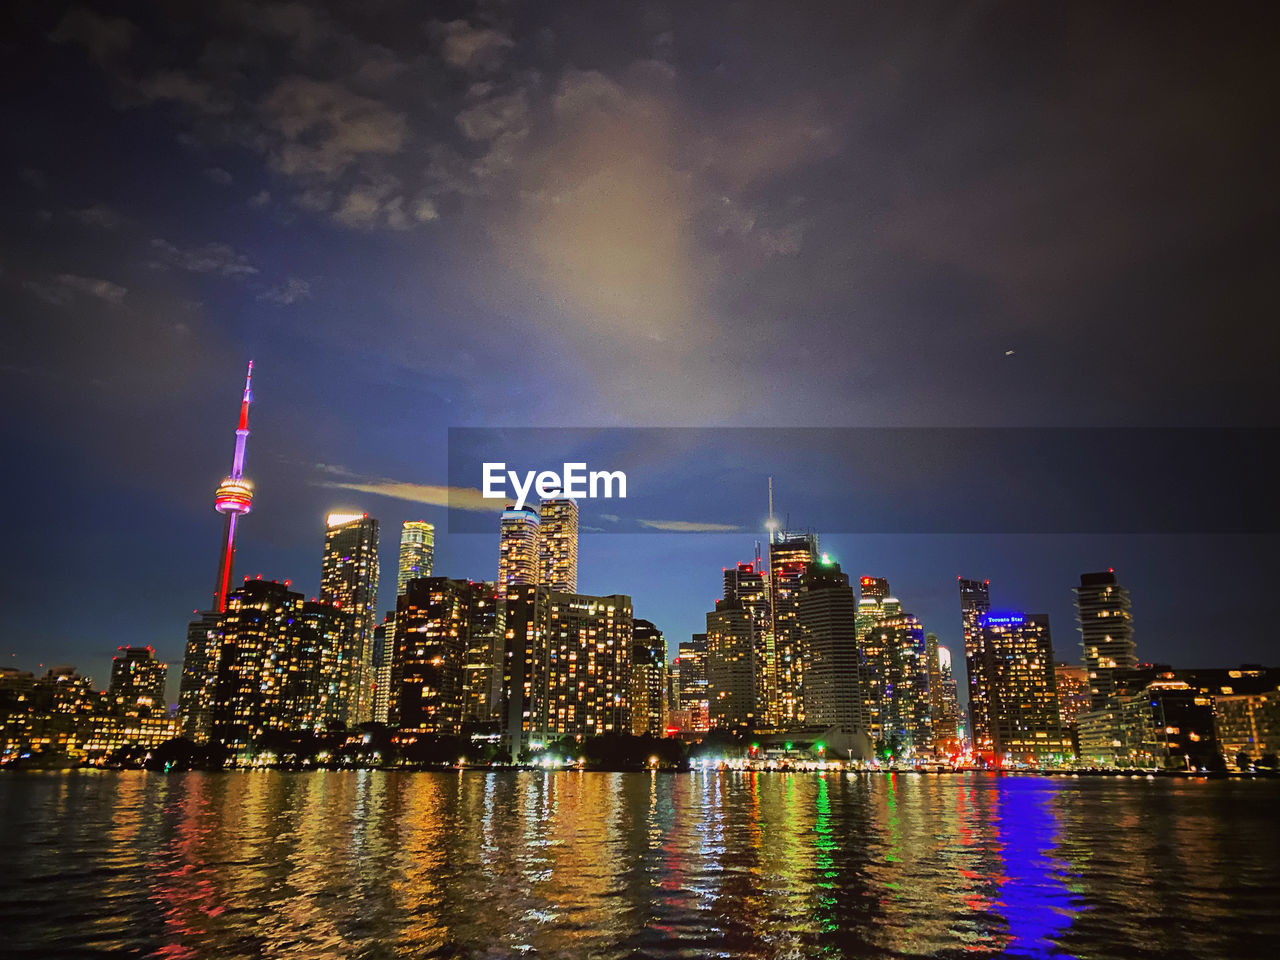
x: 771, y: 525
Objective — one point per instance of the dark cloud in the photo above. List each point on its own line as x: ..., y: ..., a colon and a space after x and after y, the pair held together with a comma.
x: 736, y: 213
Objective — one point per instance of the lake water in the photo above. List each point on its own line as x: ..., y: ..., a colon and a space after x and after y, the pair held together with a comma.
x: 574, y: 864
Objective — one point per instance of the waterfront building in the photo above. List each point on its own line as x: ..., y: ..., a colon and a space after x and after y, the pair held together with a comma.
x: 432, y: 627
x: 265, y: 664
x: 975, y: 601
x: 1105, y: 622
x: 349, y: 581
x: 897, y: 650
x: 1166, y: 723
x: 648, y: 687
x: 691, y: 678
x: 826, y: 617
x: 730, y: 666
x: 748, y: 585
x: 948, y: 737
x: 1018, y: 678
x: 326, y: 668
x: 790, y: 553
x: 1073, y: 697
x: 566, y: 667
x: 589, y: 641
x: 1248, y: 726
x: 137, y: 682
x: 482, y: 658
x: 384, y: 640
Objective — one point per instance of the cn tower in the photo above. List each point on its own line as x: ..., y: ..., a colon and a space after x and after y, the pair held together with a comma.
x: 234, y: 498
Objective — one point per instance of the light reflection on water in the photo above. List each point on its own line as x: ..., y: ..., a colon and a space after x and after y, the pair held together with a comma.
x: 570, y: 864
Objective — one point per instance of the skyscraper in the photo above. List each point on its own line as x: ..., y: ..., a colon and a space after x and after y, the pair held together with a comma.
x: 975, y: 600
x: 259, y: 636
x: 874, y: 604
x: 1073, y: 694
x: 1019, y: 682
x: 384, y: 638
x: 731, y: 685
x: 648, y: 693
x: 328, y: 631
x: 691, y: 670
x: 417, y: 552
x: 482, y: 660
x: 197, y: 686
x: 524, y: 663
x: 558, y: 545
x: 349, y: 581
x: 826, y: 615
x: 789, y: 555
x: 901, y: 680
x: 947, y: 735
x: 588, y: 642
x: 518, y: 549
x: 433, y: 622
x: 1105, y: 623
x: 748, y: 585
x: 137, y: 682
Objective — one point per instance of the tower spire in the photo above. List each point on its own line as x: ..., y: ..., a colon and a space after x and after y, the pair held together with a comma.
x: 233, y: 498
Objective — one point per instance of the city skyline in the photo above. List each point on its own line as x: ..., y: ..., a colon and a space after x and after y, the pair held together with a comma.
x: 910, y: 243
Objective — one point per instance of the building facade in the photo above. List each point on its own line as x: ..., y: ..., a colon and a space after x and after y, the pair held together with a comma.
x: 790, y: 553
x: 417, y: 552
x: 826, y: 615
x: 730, y: 667
x: 1105, y: 621
x: 558, y: 545
x: 975, y: 601
x: 518, y: 550
x: 349, y: 581
x: 1019, y: 681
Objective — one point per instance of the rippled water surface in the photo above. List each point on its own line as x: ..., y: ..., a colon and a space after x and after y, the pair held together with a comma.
x: 571, y: 864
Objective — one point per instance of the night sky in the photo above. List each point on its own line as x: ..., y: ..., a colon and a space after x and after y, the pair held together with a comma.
x: 414, y: 217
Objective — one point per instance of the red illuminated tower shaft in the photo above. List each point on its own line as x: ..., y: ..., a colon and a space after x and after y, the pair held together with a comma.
x: 234, y: 498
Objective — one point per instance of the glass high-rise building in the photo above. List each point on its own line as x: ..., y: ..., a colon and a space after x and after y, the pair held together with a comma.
x: 648, y: 680
x: 349, y: 581
x: 482, y: 658
x: 691, y: 680
x: 138, y: 682
x: 730, y: 666
x: 826, y: 616
x: 901, y: 680
x: 1020, y: 684
x: 258, y: 677
x: 789, y: 555
x: 589, y: 642
x: 748, y: 584
x: 566, y: 666
x: 432, y: 627
x: 975, y: 600
x: 558, y: 545
x: 197, y: 686
x: 1105, y: 623
x: 947, y: 735
x: 417, y: 552
x: 518, y: 549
